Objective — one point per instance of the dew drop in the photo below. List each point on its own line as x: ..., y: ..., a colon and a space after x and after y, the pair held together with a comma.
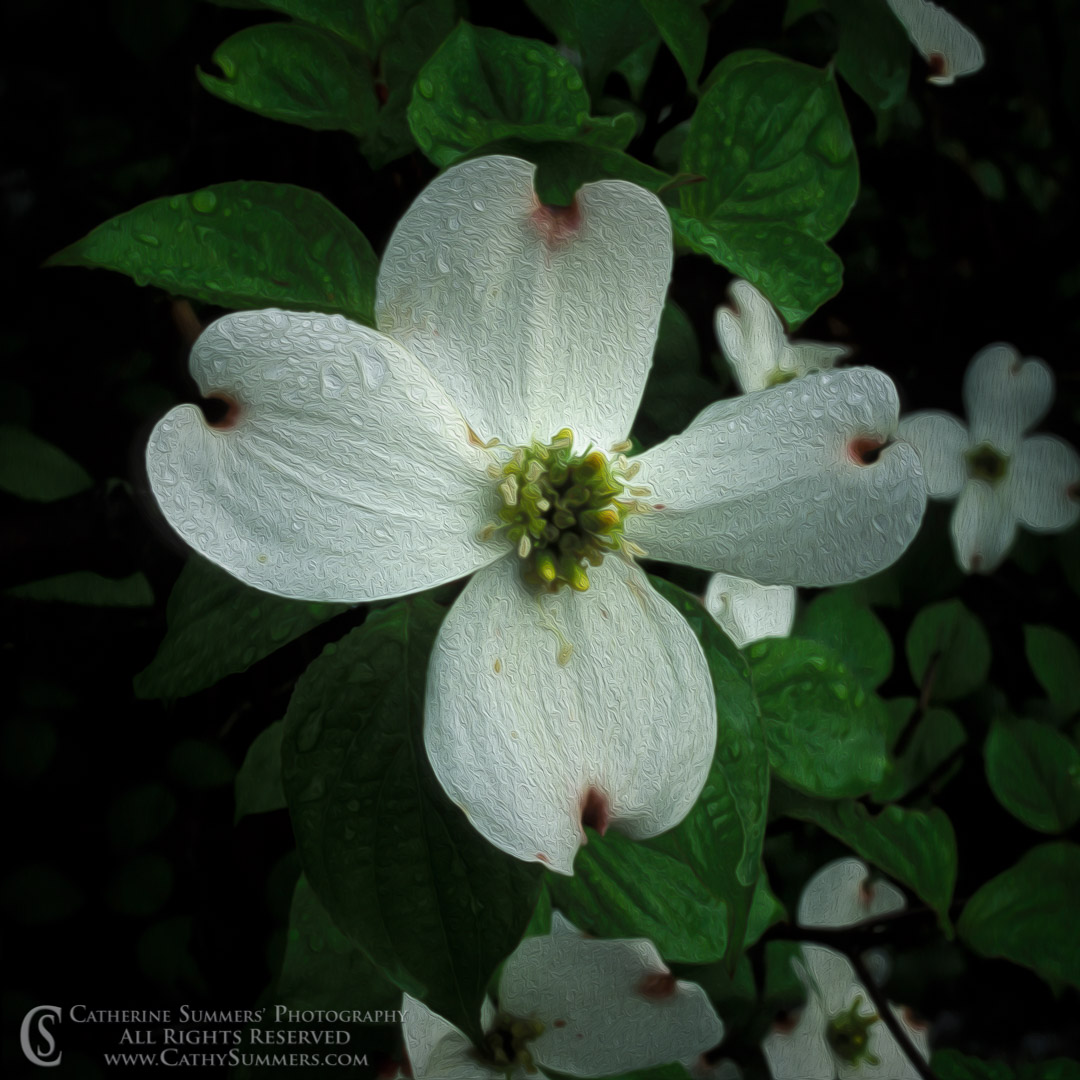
x: 204, y: 201
x: 146, y: 238
x: 426, y: 89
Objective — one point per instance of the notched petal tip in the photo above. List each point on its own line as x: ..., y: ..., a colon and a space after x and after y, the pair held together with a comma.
x: 595, y: 812
x: 221, y: 411
x: 557, y: 225
x: 866, y: 449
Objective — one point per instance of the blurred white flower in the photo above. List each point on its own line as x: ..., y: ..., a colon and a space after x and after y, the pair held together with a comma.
x: 1000, y: 477
x: 841, y: 894
x: 574, y: 1004
x: 944, y: 42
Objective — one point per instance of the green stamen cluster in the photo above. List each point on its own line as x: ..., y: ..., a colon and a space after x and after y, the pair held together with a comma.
x: 848, y: 1035
x: 507, y: 1043
x: 560, y: 511
x: 986, y: 463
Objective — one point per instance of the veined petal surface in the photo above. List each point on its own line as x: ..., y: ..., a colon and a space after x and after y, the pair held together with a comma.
x: 983, y: 527
x: 345, y: 472
x: 751, y: 336
x: 841, y: 894
x: 540, y: 706
x: 534, y: 319
x: 1005, y: 395
x: 747, y: 611
x: 943, y: 40
x: 608, y: 1007
x: 942, y: 441
x: 1044, y: 483
x: 779, y: 485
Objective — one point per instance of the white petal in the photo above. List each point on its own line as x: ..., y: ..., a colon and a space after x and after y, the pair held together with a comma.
x: 532, y: 320
x: 437, y: 1050
x: 945, y: 43
x: 608, y: 1007
x: 747, y: 611
x: 1043, y: 478
x: 534, y: 701
x: 751, y: 336
x: 771, y: 486
x: 802, y: 357
x: 1004, y: 396
x: 801, y: 1053
x: 840, y: 894
x: 347, y: 474
x: 942, y: 441
x: 983, y: 527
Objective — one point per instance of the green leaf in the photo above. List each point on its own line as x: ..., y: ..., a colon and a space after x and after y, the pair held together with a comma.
x: 1034, y: 771
x: 950, y: 638
x: 364, y: 23
x: 772, y: 143
x: 1027, y: 914
x: 952, y: 1065
x: 34, y: 469
x: 915, y: 848
x: 483, y: 85
x: 838, y: 620
x: 1055, y: 659
x: 937, y: 736
x: 826, y: 734
x: 258, y: 783
x: 623, y: 889
x: 685, y: 30
x: 242, y: 245
x: 297, y: 74
x: 86, y: 587
x: 765, y: 911
x: 219, y: 626
x: 398, y: 867
x: 322, y: 968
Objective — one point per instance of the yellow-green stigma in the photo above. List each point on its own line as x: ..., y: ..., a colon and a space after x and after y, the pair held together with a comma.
x: 778, y: 376
x: 986, y: 463
x: 507, y: 1043
x: 848, y: 1035
x: 564, y: 512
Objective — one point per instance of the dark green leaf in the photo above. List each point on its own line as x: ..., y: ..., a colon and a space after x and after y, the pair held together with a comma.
x: 1034, y: 771
x: 937, y: 736
x: 86, y: 587
x: 483, y: 85
x: 219, y: 626
x: 258, y: 783
x: 398, y: 867
x: 34, y: 469
x: 1055, y: 659
x: 765, y: 911
x: 915, y: 848
x: 200, y: 764
x: 1027, y: 914
x: 685, y: 30
x: 365, y: 23
x: 950, y: 638
x: 297, y: 74
x: 952, y: 1065
x: 243, y: 245
x: 826, y: 734
x: 857, y: 635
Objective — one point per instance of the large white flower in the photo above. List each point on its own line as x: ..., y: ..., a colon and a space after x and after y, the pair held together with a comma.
x: 361, y: 464
x: 573, y: 1004
x: 1001, y: 478
x: 945, y: 43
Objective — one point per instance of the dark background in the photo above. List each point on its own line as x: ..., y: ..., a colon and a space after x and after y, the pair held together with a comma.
x: 125, y: 882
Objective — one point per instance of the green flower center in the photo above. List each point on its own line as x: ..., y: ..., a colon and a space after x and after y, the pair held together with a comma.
x: 986, y: 463
x: 777, y: 377
x: 564, y: 511
x: 507, y: 1043
x: 848, y: 1035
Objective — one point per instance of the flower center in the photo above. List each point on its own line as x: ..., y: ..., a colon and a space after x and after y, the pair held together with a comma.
x: 564, y: 511
x: 986, y: 463
x: 507, y: 1043
x: 848, y: 1035
x: 777, y: 377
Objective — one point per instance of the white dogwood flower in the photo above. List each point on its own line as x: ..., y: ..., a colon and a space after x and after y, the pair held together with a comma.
x: 1000, y: 478
x: 573, y: 1004
x: 748, y: 611
x: 480, y: 430
x: 943, y: 41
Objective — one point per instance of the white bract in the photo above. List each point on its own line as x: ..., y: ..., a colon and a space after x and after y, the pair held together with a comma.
x: 1001, y: 478
x: 944, y: 42
x: 480, y: 429
x: 573, y: 1004
x: 748, y: 611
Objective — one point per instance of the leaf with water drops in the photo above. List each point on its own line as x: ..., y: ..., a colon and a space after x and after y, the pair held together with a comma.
x: 242, y: 245
x: 838, y: 620
x: 219, y: 626
x: 685, y: 30
x: 948, y: 648
x: 394, y: 862
x: 483, y: 85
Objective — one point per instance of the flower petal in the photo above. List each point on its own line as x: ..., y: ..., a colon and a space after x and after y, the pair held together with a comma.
x: 751, y: 336
x: 540, y: 707
x: 983, y: 527
x: 1004, y: 396
x: 777, y: 486
x: 608, y: 1007
x: 1043, y: 481
x: 947, y: 45
x: 839, y: 895
x: 437, y: 1050
x: 747, y: 611
x: 800, y: 1053
x: 941, y: 441
x: 802, y: 357
x: 345, y: 474
x: 532, y: 318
